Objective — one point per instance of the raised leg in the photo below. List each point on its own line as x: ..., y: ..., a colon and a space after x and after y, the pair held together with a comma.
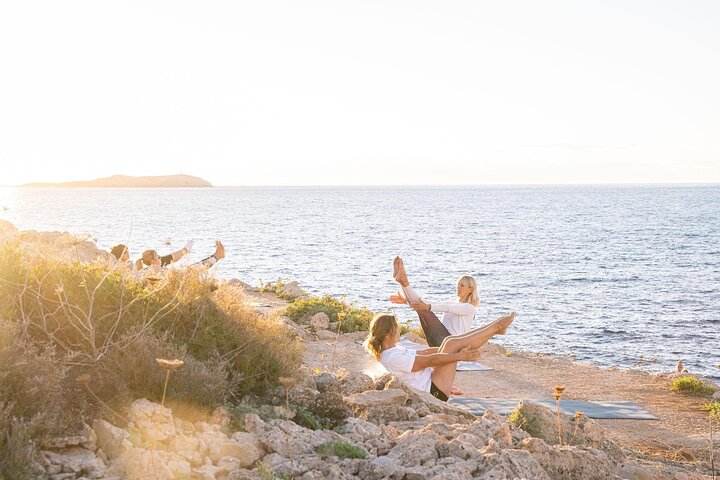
x: 444, y: 376
x: 435, y: 331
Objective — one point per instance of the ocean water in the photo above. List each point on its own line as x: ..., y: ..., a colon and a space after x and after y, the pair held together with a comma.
x: 614, y: 275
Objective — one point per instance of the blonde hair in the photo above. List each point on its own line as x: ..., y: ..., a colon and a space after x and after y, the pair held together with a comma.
x: 474, y: 297
x: 381, y: 326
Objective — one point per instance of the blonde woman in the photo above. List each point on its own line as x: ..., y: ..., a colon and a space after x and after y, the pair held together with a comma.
x: 431, y: 370
x: 457, y: 316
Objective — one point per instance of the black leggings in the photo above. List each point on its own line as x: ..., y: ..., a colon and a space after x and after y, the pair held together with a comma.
x: 435, y: 331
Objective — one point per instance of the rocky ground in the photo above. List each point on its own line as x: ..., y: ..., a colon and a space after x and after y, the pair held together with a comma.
x: 375, y: 427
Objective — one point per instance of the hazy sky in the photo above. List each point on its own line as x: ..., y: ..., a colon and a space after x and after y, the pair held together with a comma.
x: 363, y: 92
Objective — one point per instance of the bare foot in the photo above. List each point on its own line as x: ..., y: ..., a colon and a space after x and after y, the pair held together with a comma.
x: 504, y: 323
x: 399, y: 273
x: 219, y: 250
x: 455, y: 390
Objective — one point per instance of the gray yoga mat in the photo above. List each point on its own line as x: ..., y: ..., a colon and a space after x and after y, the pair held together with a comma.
x: 597, y: 410
x: 461, y: 366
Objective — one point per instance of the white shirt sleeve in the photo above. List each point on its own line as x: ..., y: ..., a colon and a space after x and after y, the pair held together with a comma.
x: 454, y: 308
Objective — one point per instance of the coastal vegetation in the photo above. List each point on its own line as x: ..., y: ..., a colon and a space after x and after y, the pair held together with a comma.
x: 351, y: 318
x: 690, y: 385
x: 80, y: 340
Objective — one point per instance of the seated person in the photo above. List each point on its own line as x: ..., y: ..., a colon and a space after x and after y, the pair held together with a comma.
x: 431, y: 370
x: 122, y: 254
x: 150, y: 258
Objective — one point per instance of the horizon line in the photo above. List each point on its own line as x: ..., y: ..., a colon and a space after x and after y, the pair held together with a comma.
x: 566, y: 184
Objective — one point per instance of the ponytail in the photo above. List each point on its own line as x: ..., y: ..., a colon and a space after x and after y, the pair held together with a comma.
x: 381, y: 326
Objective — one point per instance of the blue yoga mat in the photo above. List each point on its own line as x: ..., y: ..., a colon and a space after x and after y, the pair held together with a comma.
x: 598, y: 410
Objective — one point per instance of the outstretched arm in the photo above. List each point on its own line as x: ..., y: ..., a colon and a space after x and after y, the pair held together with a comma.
x: 438, y: 359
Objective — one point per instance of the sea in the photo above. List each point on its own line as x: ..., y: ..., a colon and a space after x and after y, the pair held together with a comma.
x: 617, y: 276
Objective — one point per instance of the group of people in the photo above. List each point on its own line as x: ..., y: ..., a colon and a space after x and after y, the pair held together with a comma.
x: 451, y: 339
x: 151, y: 258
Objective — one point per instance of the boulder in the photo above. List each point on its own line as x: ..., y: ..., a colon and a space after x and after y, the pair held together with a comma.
x: 86, y: 438
x: 320, y: 321
x: 220, y: 417
x: 356, y: 382
x: 359, y: 430
x: 541, y: 422
x: 326, y: 335
x: 512, y: 464
x: 251, y: 449
x: 416, y: 448
x: 135, y: 463
x: 291, y: 290
x: 374, y: 398
x: 569, y: 463
x: 77, y: 460
x: 326, y: 382
x: 289, y: 439
x: 110, y: 439
x: 383, y: 414
x: 153, y: 422
x: 189, y: 447
x: 381, y: 468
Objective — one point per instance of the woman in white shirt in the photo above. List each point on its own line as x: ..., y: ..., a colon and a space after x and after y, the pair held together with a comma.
x: 431, y: 370
x: 457, y: 315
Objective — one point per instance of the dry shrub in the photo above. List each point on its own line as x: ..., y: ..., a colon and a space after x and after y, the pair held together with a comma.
x: 206, y: 383
x: 35, y: 385
x: 18, y: 451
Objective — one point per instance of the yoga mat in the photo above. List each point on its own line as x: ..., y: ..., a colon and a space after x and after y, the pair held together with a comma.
x: 596, y: 410
x: 461, y: 366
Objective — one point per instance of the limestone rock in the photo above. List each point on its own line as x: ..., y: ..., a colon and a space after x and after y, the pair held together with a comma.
x: 110, y: 439
x: 568, y: 463
x: 77, y: 460
x: 326, y: 382
x: 135, y: 463
x: 373, y: 398
x: 289, y: 439
x: 416, y: 448
x: 326, y: 335
x: 154, y: 422
x: 291, y: 290
x: 356, y: 382
x: 511, y: 464
x: 251, y: 449
x: 380, y: 468
x: 359, y: 430
x: 220, y: 417
x: 320, y: 321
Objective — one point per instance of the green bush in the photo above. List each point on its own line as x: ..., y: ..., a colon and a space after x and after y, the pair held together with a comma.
x: 340, y: 449
x: 67, y: 320
x: 524, y: 420
x: 351, y: 318
x: 713, y: 409
x: 691, y: 386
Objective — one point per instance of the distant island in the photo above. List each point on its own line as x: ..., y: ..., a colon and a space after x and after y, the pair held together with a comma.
x: 125, y: 181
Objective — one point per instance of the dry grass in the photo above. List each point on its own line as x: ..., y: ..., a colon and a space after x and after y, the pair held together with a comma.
x: 61, y: 321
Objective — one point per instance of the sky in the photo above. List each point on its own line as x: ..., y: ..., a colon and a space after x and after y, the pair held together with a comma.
x: 363, y: 92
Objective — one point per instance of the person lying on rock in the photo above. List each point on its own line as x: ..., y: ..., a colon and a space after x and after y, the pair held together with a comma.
x: 433, y: 369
